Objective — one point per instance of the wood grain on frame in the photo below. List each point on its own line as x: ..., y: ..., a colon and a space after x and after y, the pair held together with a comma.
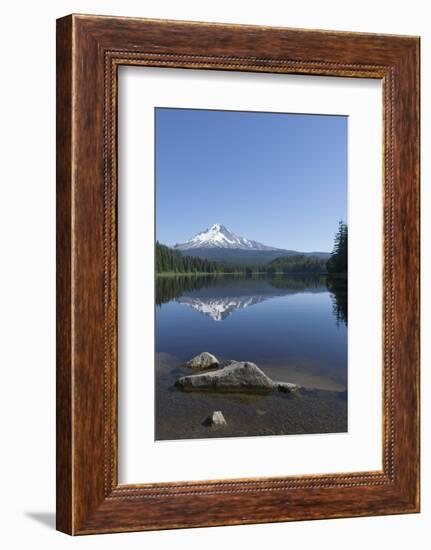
x: 89, y: 51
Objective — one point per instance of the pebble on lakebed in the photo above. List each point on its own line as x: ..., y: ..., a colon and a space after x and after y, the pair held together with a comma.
x: 215, y: 420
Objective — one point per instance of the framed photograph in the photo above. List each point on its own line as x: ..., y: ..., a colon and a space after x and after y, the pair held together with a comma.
x: 237, y: 274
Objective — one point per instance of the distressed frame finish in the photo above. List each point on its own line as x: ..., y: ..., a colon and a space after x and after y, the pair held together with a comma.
x: 89, y: 51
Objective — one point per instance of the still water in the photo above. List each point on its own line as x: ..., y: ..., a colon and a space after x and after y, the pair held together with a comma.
x: 292, y: 327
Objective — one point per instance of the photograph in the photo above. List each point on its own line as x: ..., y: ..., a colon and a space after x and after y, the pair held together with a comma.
x: 251, y: 273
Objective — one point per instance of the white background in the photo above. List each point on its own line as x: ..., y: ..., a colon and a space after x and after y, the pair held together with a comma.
x: 27, y: 218
x: 141, y: 458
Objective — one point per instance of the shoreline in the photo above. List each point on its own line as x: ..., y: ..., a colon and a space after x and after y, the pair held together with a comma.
x: 182, y: 415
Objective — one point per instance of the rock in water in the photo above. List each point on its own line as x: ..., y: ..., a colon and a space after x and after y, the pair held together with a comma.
x: 216, y: 420
x: 286, y: 387
x: 240, y: 376
x: 204, y: 360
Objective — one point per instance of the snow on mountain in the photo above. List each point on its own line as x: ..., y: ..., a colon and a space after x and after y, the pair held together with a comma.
x: 218, y: 236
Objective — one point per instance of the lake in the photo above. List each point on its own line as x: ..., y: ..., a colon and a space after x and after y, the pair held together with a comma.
x: 294, y: 327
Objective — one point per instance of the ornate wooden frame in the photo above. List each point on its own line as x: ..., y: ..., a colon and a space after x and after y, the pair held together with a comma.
x: 89, y: 51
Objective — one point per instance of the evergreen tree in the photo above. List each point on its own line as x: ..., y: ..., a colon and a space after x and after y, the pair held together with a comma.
x: 337, y: 263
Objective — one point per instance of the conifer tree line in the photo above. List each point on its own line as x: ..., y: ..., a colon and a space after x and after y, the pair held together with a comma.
x: 173, y: 261
x: 337, y: 263
x: 296, y: 264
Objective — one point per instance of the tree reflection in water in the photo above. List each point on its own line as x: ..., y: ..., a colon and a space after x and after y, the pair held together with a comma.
x: 337, y: 286
x: 170, y: 288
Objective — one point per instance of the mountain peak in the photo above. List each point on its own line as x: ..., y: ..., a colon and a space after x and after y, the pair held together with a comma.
x: 218, y: 228
x: 218, y: 236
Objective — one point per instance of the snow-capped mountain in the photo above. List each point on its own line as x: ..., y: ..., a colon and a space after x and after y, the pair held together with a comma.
x: 218, y: 236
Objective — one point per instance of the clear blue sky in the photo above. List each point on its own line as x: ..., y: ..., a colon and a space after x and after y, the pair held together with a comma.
x: 280, y: 179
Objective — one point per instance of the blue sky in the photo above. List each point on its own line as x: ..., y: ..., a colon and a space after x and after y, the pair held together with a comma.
x: 280, y: 179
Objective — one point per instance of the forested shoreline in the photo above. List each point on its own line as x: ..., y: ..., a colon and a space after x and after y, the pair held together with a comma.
x: 173, y: 262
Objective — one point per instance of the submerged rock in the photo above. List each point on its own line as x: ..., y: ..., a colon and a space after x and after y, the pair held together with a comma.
x: 216, y: 420
x: 204, y: 360
x: 240, y: 376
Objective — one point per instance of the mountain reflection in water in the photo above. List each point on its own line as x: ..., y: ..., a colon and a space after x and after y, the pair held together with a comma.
x: 218, y: 297
x: 220, y: 308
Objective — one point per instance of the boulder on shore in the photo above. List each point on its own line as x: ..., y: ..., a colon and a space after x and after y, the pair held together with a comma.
x: 202, y: 361
x: 240, y: 376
